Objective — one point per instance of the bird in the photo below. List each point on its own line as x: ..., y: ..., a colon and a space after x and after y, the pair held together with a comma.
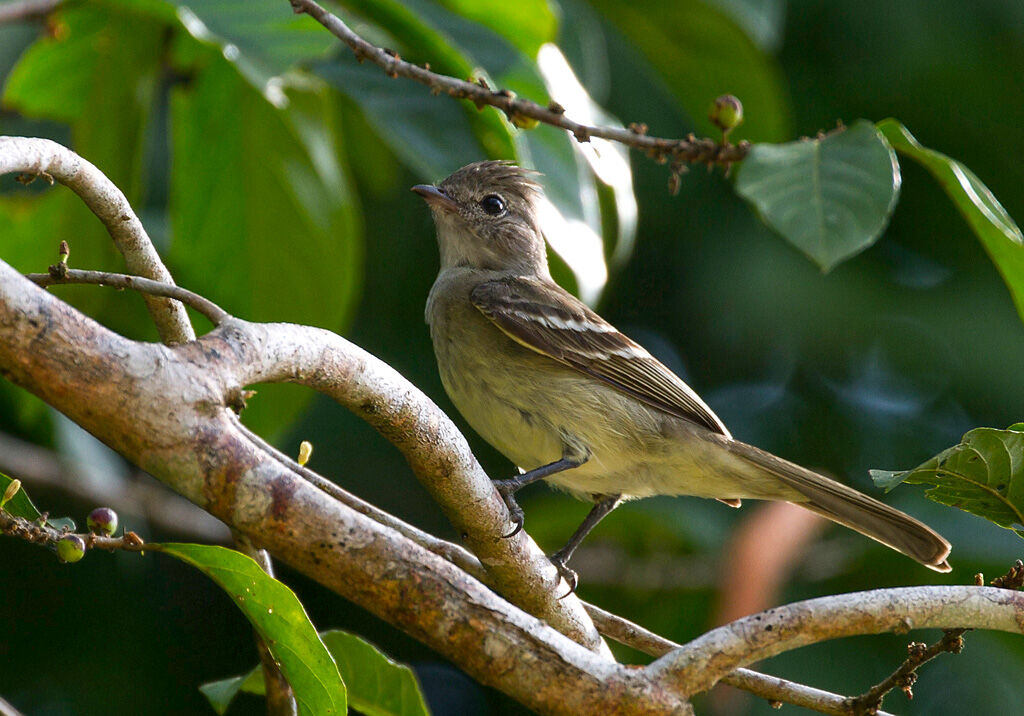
x: 571, y: 400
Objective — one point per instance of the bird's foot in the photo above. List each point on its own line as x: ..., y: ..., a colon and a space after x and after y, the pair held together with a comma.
x: 507, y: 489
x: 571, y: 578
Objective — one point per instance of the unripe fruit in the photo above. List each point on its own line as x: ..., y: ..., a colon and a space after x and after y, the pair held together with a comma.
x: 102, y: 521
x: 726, y: 112
x: 70, y: 548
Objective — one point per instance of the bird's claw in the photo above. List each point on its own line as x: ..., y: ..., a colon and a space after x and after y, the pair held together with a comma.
x: 515, y: 512
x: 571, y: 578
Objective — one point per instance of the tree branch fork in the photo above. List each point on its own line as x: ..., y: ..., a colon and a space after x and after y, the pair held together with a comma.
x: 168, y: 409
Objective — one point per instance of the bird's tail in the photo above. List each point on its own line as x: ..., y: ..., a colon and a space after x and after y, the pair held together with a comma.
x: 859, y: 512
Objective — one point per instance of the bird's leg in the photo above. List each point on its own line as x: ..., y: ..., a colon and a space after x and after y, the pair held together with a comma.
x: 508, y: 488
x: 561, y: 558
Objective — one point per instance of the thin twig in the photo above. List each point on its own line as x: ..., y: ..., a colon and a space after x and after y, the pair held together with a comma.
x: 59, y: 275
x: 904, y: 677
x: 690, y: 150
x: 1013, y: 579
x: 41, y: 532
x: 37, y: 466
x: 952, y: 642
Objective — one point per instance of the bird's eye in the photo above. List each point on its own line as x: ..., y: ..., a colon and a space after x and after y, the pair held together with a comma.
x: 493, y: 204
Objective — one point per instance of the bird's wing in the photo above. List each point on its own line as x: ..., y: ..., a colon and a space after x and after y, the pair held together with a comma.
x: 549, y: 320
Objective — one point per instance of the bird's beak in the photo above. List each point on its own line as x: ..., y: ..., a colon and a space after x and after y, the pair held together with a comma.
x: 435, y: 197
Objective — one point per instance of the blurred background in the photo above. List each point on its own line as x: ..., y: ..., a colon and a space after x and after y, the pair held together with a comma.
x: 272, y: 171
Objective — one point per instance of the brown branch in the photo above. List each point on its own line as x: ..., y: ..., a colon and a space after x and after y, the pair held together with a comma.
x: 60, y: 274
x: 165, y: 408
x: 520, y: 570
x: 676, y: 151
x: 435, y: 449
x: 41, y: 157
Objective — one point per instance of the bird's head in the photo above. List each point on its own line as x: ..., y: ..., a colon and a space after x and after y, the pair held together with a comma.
x: 486, y: 218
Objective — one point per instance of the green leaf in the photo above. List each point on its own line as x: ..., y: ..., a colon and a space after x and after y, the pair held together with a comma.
x: 276, y: 613
x: 527, y: 24
x: 276, y: 217
x: 377, y: 686
x: 701, y: 53
x: 983, y: 475
x: 987, y: 218
x: 431, y: 135
x: 20, y: 505
x: 221, y: 693
x: 262, y: 38
x: 830, y: 197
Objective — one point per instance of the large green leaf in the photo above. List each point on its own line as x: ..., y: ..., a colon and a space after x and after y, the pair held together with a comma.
x: 831, y: 197
x: 527, y: 24
x: 987, y: 218
x: 700, y: 53
x: 983, y: 475
x: 377, y: 686
x: 276, y: 613
x: 262, y: 38
x: 431, y: 135
x: 263, y: 218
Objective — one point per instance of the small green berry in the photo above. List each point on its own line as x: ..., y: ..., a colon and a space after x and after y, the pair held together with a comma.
x: 102, y: 521
x: 70, y: 548
x: 726, y: 112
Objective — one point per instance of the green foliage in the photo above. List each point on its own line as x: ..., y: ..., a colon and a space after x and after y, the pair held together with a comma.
x: 278, y: 616
x: 18, y: 505
x: 987, y: 218
x: 831, y: 197
x: 983, y: 475
x: 701, y: 53
x: 377, y: 686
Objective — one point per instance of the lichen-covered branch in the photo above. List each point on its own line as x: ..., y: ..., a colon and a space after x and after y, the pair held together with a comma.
x: 434, y: 447
x: 700, y: 664
x: 165, y: 408
x: 770, y: 688
x: 43, y: 158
